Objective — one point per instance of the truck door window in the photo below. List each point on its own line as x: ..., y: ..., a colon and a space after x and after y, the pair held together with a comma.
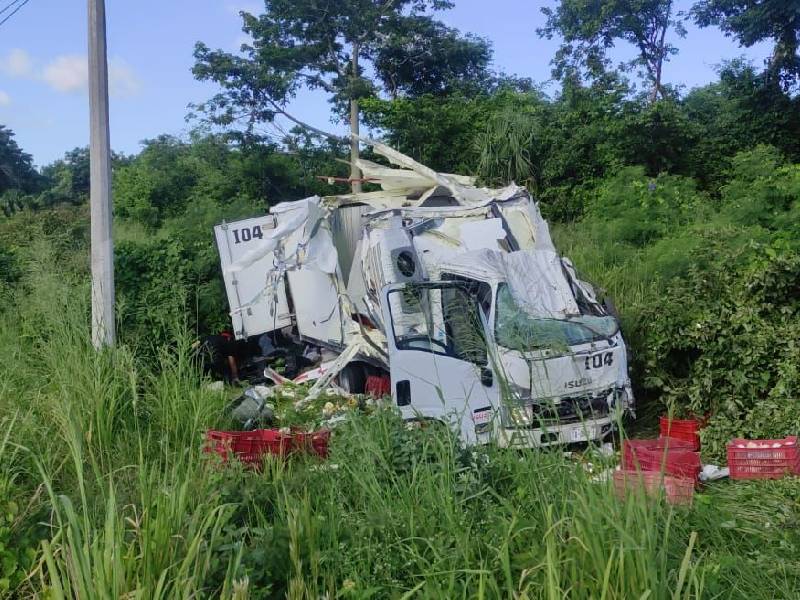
x: 441, y: 320
x: 480, y: 290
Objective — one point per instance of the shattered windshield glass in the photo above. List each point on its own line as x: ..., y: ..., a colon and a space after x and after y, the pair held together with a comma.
x: 517, y: 330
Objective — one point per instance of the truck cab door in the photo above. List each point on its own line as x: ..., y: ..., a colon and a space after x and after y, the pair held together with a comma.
x: 439, y: 357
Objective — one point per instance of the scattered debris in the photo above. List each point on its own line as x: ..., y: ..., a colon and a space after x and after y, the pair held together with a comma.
x: 605, y: 475
x: 713, y: 473
x: 215, y: 386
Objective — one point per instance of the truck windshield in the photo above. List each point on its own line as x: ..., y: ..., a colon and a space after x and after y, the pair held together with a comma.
x: 516, y: 329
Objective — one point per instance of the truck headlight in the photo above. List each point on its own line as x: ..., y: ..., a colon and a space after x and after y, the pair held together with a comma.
x: 517, y: 416
x: 626, y: 400
x: 621, y: 399
x: 518, y: 392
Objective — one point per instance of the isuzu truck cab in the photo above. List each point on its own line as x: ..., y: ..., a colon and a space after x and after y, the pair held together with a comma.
x: 454, y: 293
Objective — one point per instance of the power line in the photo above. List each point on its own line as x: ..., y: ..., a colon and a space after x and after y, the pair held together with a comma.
x: 10, y: 4
x: 24, y: 2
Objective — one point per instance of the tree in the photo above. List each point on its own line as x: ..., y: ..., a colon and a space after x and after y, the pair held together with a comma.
x: 325, y: 44
x: 16, y: 166
x: 753, y: 21
x: 741, y: 110
x: 427, y: 57
x: 440, y: 130
x: 589, y: 29
x: 68, y: 178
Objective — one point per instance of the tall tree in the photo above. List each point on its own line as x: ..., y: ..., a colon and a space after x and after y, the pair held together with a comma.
x: 68, y: 178
x: 589, y: 28
x: 334, y: 45
x: 753, y: 21
x: 16, y: 166
x: 427, y: 57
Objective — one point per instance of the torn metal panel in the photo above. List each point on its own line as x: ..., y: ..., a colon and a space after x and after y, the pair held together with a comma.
x: 345, y: 224
x: 292, y: 216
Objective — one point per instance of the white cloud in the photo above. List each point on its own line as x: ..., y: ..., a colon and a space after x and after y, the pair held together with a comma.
x: 70, y: 73
x: 17, y: 63
x: 5, y: 99
x: 122, y: 81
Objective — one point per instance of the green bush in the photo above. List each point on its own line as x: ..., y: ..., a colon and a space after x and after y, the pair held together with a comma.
x: 9, y: 267
x: 724, y: 341
x: 18, y: 541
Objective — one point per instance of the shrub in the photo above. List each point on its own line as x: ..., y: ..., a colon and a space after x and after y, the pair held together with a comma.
x: 723, y: 340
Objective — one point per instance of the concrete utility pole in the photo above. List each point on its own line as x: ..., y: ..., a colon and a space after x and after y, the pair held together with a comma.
x: 103, y: 324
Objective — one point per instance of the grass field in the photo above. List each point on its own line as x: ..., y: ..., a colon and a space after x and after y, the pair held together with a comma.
x: 106, y: 494
x: 105, y: 491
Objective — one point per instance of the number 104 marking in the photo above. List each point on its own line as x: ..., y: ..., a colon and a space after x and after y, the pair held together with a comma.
x: 245, y: 234
x: 598, y: 361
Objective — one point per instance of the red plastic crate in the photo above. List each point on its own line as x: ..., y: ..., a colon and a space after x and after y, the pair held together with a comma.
x: 315, y: 442
x: 248, y: 446
x: 378, y: 386
x: 674, y: 457
x: 681, y: 429
x: 769, y: 459
x: 676, y: 490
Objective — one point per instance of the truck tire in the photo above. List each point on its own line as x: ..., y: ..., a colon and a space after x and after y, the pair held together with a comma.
x: 353, y: 378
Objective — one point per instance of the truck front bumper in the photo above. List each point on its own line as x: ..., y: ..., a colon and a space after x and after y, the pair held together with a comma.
x: 594, y: 430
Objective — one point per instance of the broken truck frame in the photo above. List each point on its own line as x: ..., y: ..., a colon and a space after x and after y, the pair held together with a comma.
x: 380, y: 282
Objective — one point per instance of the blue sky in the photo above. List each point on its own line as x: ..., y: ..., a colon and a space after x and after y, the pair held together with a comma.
x: 43, y: 53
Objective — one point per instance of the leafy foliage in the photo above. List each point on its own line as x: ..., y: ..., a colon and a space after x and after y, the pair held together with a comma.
x: 590, y: 28
x: 753, y: 21
x: 725, y: 342
x: 16, y: 166
x: 707, y: 289
x: 299, y: 44
x: 425, y: 56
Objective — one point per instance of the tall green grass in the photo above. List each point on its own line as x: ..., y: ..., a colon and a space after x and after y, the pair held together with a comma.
x: 103, y: 452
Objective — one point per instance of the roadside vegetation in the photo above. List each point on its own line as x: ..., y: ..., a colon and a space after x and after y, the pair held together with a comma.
x: 107, y: 493
x: 683, y: 204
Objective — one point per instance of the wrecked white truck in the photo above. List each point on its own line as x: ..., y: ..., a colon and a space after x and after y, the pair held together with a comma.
x: 453, y: 292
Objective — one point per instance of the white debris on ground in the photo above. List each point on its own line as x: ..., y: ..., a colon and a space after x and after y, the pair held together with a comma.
x: 215, y: 386
x: 607, y: 449
x: 288, y: 405
x: 605, y: 475
x: 713, y: 473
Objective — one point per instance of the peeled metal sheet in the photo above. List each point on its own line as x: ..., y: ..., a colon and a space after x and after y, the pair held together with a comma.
x: 345, y: 223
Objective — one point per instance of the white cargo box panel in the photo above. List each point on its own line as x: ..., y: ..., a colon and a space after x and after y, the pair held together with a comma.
x: 253, y: 310
x: 316, y: 303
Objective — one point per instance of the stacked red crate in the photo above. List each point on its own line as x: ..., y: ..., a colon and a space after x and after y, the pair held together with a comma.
x: 681, y: 429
